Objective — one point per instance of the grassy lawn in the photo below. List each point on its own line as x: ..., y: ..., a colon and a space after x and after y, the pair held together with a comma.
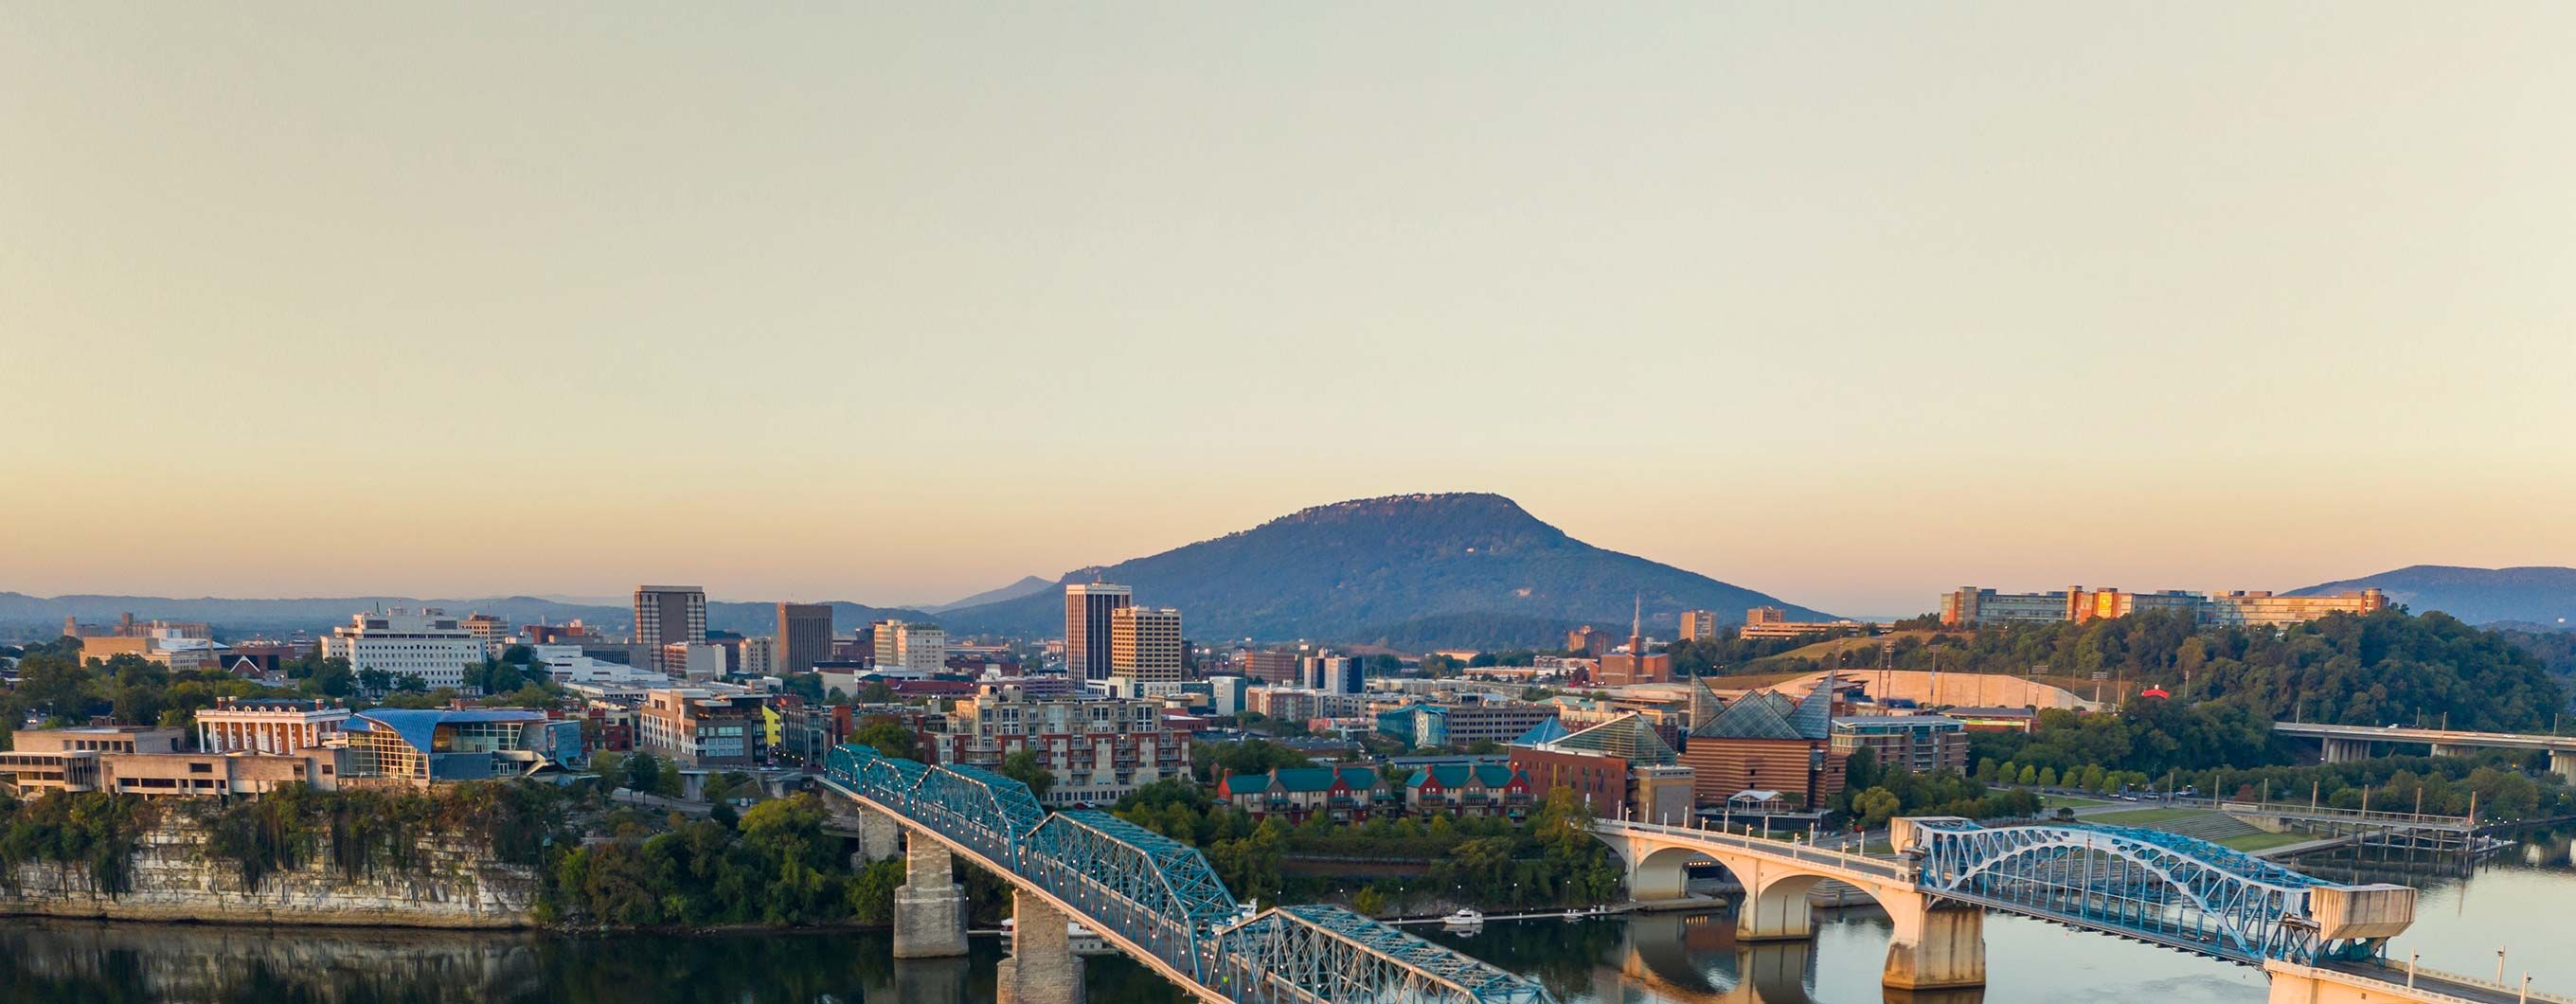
x: 2145, y: 817
x: 2261, y: 841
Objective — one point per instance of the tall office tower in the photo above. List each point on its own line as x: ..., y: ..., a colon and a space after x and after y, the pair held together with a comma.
x: 1087, y: 608
x: 667, y: 614
x: 804, y: 636
x: 1699, y: 625
x: 1145, y: 644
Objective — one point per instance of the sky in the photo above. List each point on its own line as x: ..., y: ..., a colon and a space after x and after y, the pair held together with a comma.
x: 1847, y: 303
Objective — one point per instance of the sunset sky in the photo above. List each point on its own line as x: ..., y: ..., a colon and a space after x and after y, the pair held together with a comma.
x: 1849, y: 304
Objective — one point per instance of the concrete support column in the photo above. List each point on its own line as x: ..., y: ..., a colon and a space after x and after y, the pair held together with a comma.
x: 1775, y: 907
x: 929, y: 907
x: 1934, y: 948
x: 2441, y: 750
x: 2346, y: 750
x: 1042, y: 968
x: 880, y: 837
x: 2563, y: 764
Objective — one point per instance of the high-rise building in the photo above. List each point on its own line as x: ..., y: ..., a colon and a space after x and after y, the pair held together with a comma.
x: 1087, y: 609
x: 1699, y: 625
x: 804, y: 636
x: 1145, y: 644
x: 492, y: 631
x: 429, y: 644
x: 914, y: 648
x: 667, y: 614
x: 757, y: 656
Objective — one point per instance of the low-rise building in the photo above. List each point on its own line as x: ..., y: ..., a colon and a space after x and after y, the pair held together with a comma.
x: 1620, y: 768
x: 1462, y: 724
x: 1773, y: 622
x: 1984, y: 719
x: 268, y: 725
x: 1766, y: 740
x: 1342, y: 793
x: 701, y: 726
x: 1918, y: 743
x: 419, y: 747
x: 1483, y: 790
x: 1099, y: 749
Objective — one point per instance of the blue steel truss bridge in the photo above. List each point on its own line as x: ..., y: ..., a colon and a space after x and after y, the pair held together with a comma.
x: 1154, y: 898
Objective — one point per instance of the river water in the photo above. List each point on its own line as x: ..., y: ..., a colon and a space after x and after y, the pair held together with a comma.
x: 2523, y: 900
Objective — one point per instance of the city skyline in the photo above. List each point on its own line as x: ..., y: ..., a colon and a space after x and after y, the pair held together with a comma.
x: 1849, y: 311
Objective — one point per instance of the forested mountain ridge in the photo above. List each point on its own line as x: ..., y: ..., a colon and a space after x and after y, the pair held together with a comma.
x: 1420, y: 570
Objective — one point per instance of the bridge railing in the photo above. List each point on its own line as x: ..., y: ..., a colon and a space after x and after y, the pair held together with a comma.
x: 1899, y: 871
x: 2298, y: 811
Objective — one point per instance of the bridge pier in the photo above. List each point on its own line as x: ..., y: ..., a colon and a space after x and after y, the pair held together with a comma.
x: 878, y: 835
x: 1042, y: 968
x: 2344, y: 750
x: 1935, y: 948
x: 2563, y: 764
x: 2443, y: 750
x: 929, y: 907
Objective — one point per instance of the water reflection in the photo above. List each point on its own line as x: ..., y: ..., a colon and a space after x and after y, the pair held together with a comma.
x: 2516, y: 899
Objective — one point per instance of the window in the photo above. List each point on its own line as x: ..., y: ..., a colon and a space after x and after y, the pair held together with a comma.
x: 201, y: 768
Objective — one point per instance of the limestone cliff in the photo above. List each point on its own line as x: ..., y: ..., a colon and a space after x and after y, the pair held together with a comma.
x: 173, y: 879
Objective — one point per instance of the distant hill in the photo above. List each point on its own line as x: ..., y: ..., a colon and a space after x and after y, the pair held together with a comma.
x: 24, y: 616
x: 1026, y: 586
x: 2538, y: 595
x: 1412, y: 571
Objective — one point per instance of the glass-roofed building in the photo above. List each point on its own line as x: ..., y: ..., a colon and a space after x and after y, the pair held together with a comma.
x: 405, y: 746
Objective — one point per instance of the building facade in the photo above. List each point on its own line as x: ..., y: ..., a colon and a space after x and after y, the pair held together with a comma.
x: 430, y: 645
x: 1332, y: 674
x: 804, y: 637
x: 1271, y: 666
x: 402, y: 747
x: 1970, y: 606
x: 1921, y: 744
x: 1700, y: 625
x: 1768, y: 742
x: 668, y: 614
x: 1342, y: 794
x: 1098, y: 749
x: 701, y: 727
x: 1468, y: 790
x: 268, y: 725
x: 911, y: 648
x: 1088, y: 607
x: 1773, y: 622
x: 1145, y: 645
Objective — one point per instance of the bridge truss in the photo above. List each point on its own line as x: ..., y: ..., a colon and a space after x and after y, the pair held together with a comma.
x: 2146, y: 884
x: 1158, y: 897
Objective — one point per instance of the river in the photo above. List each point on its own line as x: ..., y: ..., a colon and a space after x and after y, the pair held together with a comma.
x: 2523, y: 899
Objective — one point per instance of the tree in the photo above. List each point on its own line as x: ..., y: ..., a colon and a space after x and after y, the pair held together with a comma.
x: 643, y: 773
x: 1025, y: 767
x: 1875, y: 807
x: 410, y: 683
x: 888, y: 735
x: 876, y: 692
x: 375, y: 681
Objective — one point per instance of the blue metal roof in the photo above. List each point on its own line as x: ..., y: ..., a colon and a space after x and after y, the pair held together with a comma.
x: 415, y: 725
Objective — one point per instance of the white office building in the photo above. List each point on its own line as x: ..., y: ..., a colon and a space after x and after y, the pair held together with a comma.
x: 913, y: 648
x: 429, y: 644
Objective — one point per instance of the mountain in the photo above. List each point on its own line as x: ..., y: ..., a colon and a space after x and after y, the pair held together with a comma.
x: 25, y: 616
x: 2539, y: 595
x: 1027, y: 585
x: 1413, y: 571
